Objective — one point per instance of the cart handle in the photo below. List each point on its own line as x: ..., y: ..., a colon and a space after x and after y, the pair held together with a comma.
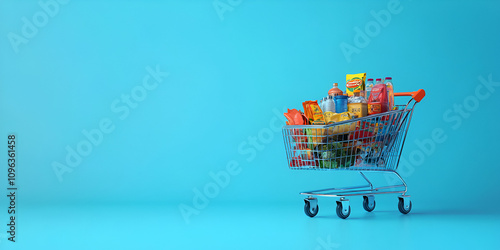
x: 416, y: 95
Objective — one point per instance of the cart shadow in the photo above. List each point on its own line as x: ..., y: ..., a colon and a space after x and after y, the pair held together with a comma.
x: 335, y: 217
x: 373, y: 215
x: 361, y: 215
x: 352, y: 217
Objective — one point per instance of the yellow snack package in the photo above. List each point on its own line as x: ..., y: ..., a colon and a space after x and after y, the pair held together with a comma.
x: 313, y: 112
x: 345, y: 116
x: 330, y: 117
x: 343, y: 128
x: 355, y: 82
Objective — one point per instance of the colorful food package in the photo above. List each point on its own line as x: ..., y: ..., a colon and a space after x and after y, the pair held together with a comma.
x: 337, y: 117
x: 358, y: 109
x: 378, y: 101
x: 330, y: 117
x: 295, y: 117
x: 313, y: 112
x: 354, y: 82
x: 342, y: 128
x: 315, y: 136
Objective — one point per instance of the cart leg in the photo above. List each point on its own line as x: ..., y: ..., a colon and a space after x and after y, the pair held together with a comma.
x: 402, y: 181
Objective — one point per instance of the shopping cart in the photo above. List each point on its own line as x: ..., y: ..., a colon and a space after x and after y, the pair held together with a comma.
x: 368, y: 144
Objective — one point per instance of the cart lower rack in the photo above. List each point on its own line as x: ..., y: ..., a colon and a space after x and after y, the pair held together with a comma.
x: 368, y: 144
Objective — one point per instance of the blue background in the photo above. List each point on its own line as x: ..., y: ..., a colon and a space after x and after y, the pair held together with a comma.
x: 229, y: 81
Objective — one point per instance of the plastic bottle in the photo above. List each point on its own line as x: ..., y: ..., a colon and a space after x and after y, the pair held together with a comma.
x: 322, y: 104
x: 369, y: 86
x: 335, y: 91
x: 327, y: 104
x: 357, y: 105
x: 340, y: 103
x: 390, y: 92
x: 379, y: 81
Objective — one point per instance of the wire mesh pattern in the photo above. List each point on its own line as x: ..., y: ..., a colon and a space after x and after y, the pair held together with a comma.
x: 368, y: 143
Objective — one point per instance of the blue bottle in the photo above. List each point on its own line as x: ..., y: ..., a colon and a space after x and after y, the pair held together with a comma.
x: 340, y: 103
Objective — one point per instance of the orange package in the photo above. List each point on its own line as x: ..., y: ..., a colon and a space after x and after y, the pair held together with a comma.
x: 313, y: 112
x: 295, y: 117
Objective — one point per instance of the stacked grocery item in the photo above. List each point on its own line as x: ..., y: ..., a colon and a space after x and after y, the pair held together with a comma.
x: 339, y: 146
x: 359, y: 100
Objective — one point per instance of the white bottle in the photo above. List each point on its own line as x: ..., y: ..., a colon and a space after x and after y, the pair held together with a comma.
x: 369, y: 86
x: 328, y: 105
x: 322, y: 104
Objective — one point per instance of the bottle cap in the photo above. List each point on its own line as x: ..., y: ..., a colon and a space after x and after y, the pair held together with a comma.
x: 335, y: 84
x: 379, y: 79
x: 370, y: 79
x: 356, y: 92
x: 388, y: 78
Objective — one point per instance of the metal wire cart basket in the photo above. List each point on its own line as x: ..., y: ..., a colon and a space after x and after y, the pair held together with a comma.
x: 373, y: 143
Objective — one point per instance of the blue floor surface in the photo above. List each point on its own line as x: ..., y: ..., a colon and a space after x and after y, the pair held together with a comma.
x: 250, y: 226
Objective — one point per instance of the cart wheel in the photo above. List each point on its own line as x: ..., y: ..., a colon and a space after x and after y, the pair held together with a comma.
x: 311, y: 212
x: 340, y: 211
x: 401, y: 206
x: 366, y: 204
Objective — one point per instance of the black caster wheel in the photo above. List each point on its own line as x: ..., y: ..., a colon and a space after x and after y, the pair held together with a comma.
x: 342, y: 212
x: 310, y: 211
x: 402, y: 208
x: 366, y: 204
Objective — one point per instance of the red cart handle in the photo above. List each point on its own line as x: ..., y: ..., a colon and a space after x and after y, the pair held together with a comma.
x: 416, y: 95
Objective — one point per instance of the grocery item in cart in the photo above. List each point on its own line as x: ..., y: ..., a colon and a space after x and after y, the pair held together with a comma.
x: 295, y: 117
x: 354, y: 82
x: 329, y: 117
x: 327, y: 104
x: 335, y: 91
x: 369, y: 86
x: 357, y: 105
x: 340, y: 103
x: 322, y: 104
x: 298, y: 161
x: 315, y: 136
x: 362, y: 93
x: 377, y: 102
x: 313, y: 112
x: 328, y: 155
x: 336, y: 155
x: 342, y: 128
x: 390, y: 92
x: 339, y: 117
